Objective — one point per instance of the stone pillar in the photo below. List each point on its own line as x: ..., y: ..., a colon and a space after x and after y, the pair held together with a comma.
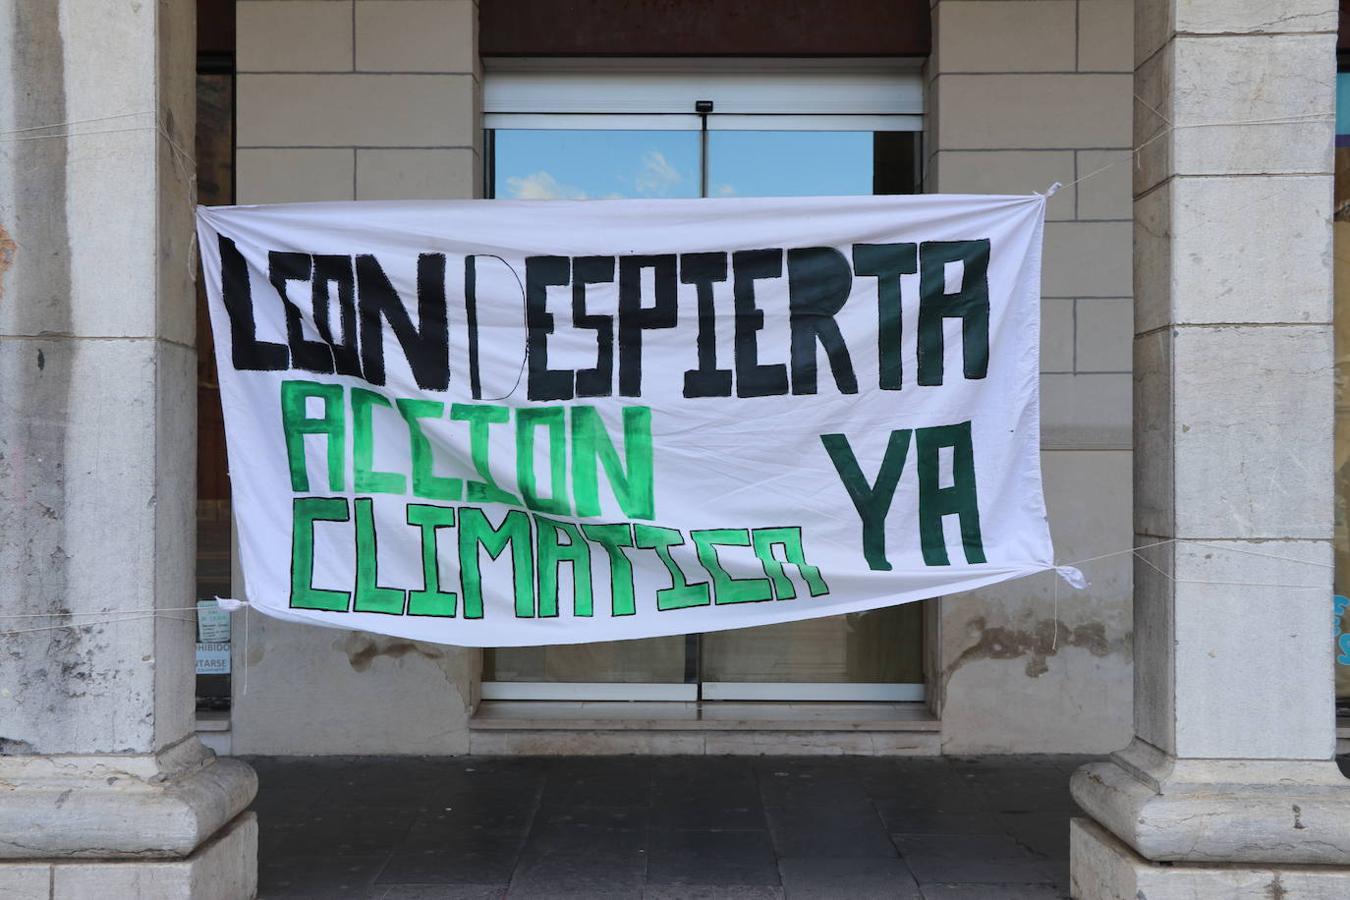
x: 104, y: 790
x: 1229, y: 788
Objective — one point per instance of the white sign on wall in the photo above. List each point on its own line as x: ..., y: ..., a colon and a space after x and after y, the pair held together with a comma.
x: 494, y: 423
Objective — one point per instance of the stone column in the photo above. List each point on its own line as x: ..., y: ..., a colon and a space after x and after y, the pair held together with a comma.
x: 1229, y: 788
x: 104, y: 790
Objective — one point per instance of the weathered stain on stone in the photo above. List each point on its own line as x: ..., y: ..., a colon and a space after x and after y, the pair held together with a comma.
x: 1276, y: 890
x: 1037, y: 643
x: 1298, y: 818
x: 362, y: 649
x: 8, y: 248
x: 42, y: 714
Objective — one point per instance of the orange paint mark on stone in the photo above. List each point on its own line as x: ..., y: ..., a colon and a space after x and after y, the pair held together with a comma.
x: 8, y: 248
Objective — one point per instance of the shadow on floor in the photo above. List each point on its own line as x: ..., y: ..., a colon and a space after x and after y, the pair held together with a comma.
x: 741, y: 828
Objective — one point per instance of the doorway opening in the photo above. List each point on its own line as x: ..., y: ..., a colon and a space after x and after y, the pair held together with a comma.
x: 700, y: 129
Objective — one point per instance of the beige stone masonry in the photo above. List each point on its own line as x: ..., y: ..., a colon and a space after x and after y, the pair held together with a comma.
x: 356, y: 110
x: 1040, y: 111
x: 1022, y: 95
x: 293, y: 36
x: 977, y: 35
x: 294, y: 175
x: 416, y: 36
x: 416, y: 174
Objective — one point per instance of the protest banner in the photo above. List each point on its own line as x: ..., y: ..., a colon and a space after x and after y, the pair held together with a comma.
x: 495, y: 423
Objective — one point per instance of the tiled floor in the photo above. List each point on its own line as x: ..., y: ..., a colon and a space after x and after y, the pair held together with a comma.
x: 741, y: 828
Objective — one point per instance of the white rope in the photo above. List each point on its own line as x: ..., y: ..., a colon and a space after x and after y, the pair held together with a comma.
x: 1306, y: 562
x: 1054, y: 641
x: 224, y: 603
x: 1068, y: 572
x: 129, y: 115
x: 114, y: 620
x: 1170, y: 127
x: 244, y: 686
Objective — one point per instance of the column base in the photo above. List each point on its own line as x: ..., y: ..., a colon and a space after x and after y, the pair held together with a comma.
x: 1102, y: 867
x: 224, y: 868
x: 119, y: 807
x: 1266, y: 812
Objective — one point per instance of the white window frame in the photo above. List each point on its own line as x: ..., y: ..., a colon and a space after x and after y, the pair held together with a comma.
x: 779, y: 95
x: 749, y: 95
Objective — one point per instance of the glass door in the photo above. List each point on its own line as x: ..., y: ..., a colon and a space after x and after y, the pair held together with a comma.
x: 698, y: 150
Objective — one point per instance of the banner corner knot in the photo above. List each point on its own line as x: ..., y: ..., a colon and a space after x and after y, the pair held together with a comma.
x: 1073, y: 577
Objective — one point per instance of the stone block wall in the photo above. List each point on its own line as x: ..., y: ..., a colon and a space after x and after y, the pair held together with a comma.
x: 357, y: 100
x: 1024, y: 93
x: 379, y: 99
x: 354, y: 100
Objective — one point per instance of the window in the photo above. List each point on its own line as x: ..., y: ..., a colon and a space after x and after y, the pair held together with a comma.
x: 641, y: 131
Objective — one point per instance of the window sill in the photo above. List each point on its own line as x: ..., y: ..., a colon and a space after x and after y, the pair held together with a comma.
x: 527, y: 715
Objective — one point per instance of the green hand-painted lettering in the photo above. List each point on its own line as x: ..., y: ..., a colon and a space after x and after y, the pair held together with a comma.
x: 369, y: 596
x: 554, y: 419
x: 481, y: 416
x: 613, y: 538
x: 631, y: 481
x: 551, y: 553
x: 365, y: 478
x: 425, y: 483
x: 681, y: 594
x: 790, y: 539
x: 305, y: 512
x: 296, y: 423
x: 514, y: 532
x: 431, y: 600
x: 725, y: 588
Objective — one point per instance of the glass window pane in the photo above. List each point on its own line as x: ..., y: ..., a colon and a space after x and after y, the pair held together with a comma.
x: 648, y: 661
x: 810, y: 163
x: 594, y: 165
x: 881, y: 646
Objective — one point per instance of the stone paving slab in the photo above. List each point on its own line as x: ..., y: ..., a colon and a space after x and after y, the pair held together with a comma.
x: 664, y: 828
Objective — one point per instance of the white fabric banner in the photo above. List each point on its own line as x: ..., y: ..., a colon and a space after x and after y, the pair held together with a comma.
x: 496, y: 423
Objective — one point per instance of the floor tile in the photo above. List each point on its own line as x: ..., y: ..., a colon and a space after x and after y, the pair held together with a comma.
x: 904, y: 820
x: 991, y: 892
x: 629, y: 817
x: 972, y: 858
x: 856, y: 879
x: 711, y: 857
x: 693, y: 814
x: 815, y: 789
x: 439, y: 892
x: 663, y: 828
x: 480, y: 859
x: 1041, y: 833
x: 829, y: 832
x: 581, y: 861
x: 312, y: 876
x: 712, y: 892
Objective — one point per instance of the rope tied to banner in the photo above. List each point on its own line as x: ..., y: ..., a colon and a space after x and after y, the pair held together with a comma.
x: 1067, y: 572
x: 1070, y: 573
x: 1169, y: 127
